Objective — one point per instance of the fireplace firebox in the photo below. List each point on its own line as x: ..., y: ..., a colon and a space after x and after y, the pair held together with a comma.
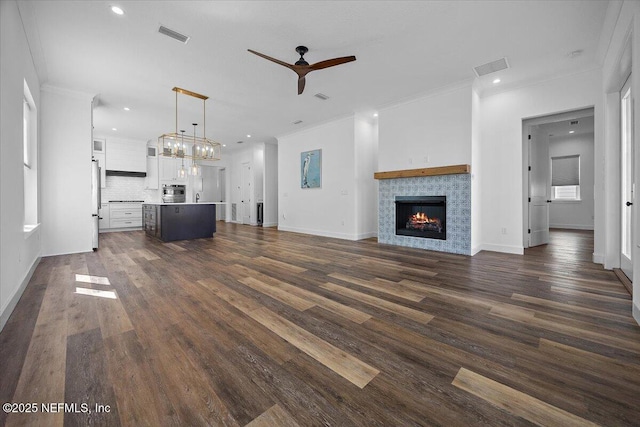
x: 422, y: 216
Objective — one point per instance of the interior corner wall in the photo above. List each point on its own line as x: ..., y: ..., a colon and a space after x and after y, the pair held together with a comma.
x: 575, y: 214
x: 476, y: 175
x: 270, y: 185
x: 501, y: 117
x: 366, y: 187
x: 431, y: 131
x: 19, y: 254
x: 66, y: 172
x: 328, y: 210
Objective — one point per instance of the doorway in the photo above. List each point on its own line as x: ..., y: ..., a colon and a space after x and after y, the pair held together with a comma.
x: 627, y: 178
x: 558, y: 181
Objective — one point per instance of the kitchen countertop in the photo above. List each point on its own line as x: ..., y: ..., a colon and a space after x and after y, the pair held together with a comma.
x: 187, y: 203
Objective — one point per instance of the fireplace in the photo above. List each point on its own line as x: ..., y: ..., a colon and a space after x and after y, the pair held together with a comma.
x: 422, y: 216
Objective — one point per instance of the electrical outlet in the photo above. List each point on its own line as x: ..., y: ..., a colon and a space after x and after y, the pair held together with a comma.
x: 344, y: 192
x: 410, y: 160
x: 284, y: 216
x: 426, y: 159
x: 504, y: 230
x: 342, y: 222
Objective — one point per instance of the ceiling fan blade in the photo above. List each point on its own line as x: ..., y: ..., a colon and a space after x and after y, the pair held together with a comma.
x: 277, y: 61
x: 332, y: 62
x: 301, y: 82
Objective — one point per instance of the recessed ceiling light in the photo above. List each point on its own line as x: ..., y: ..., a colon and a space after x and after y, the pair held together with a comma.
x: 496, y: 81
x: 114, y: 129
x: 127, y: 109
x: 224, y: 145
x: 117, y: 10
x: 571, y: 131
x: 248, y: 136
x: 375, y: 114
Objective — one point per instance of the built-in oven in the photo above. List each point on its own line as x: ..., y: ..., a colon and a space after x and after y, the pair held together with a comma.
x: 174, y: 193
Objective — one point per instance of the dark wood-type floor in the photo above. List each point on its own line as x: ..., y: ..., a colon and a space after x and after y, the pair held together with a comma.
x: 268, y: 328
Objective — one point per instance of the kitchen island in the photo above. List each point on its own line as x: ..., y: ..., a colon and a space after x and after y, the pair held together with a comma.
x: 179, y: 221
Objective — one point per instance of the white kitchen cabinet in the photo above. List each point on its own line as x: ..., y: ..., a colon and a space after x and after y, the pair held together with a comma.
x: 125, y: 215
x: 128, y: 156
x: 169, y: 168
x: 151, y: 180
x: 103, y: 215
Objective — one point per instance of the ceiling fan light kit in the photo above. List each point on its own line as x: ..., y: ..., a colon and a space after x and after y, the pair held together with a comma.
x: 176, y: 145
x: 302, y: 67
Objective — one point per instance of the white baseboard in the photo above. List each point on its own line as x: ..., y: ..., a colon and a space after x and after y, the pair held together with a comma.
x: 368, y: 235
x: 475, y: 250
x: 597, y: 258
x: 572, y: 226
x: 270, y: 224
x: 323, y: 233
x: 13, y: 301
x: 636, y: 313
x: 516, y: 250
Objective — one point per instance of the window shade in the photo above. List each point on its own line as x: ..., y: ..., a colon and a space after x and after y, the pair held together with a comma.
x: 565, y: 170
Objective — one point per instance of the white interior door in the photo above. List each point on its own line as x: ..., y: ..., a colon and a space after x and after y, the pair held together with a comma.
x: 539, y: 189
x: 246, y: 193
x: 628, y: 184
x: 221, y: 210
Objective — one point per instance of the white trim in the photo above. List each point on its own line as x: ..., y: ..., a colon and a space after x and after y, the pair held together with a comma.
x: 13, y: 301
x: 598, y: 258
x: 572, y: 226
x: 507, y: 249
x: 368, y: 235
x: 475, y: 250
x: 67, y: 92
x: 269, y: 224
x: 635, y: 311
x: 343, y: 236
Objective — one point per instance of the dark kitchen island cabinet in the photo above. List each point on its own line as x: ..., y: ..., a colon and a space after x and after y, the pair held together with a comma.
x: 179, y: 221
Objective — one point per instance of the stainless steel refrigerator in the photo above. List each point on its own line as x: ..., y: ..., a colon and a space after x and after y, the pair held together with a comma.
x: 95, y: 201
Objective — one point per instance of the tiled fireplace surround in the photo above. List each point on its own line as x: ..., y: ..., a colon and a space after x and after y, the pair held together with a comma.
x: 457, y: 189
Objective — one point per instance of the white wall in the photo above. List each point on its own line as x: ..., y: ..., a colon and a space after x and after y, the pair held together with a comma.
x: 500, y: 143
x: 270, y: 185
x: 66, y: 171
x: 366, y: 187
x: 574, y: 214
x: 20, y: 252
x: 437, y: 126
x: 329, y: 210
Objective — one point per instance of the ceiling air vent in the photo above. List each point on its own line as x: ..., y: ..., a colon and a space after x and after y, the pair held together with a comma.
x: 173, y: 34
x: 574, y: 122
x: 321, y: 96
x: 297, y: 122
x: 239, y: 142
x: 491, y: 67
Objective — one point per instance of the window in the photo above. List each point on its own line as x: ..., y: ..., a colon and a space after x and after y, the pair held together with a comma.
x: 565, y: 177
x: 30, y: 160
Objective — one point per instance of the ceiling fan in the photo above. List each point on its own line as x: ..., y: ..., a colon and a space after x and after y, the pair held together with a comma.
x: 302, y: 67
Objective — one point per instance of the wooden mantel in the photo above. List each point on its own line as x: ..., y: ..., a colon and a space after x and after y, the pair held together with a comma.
x: 410, y: 173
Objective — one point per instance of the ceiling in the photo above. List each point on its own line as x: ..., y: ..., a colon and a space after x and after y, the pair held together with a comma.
x: 562, y: 129
x: 404, y: 49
